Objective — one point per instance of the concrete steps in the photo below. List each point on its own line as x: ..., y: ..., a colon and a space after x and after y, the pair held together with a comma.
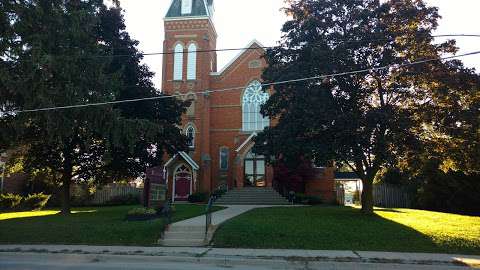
x: 184, y: 236
x: 252, y: 196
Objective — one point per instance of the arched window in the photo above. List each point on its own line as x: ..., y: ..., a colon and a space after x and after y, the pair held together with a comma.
x: 186, y: 7
x: 253, y: 99
x: 190, y: 133
x: 178, y: 63
x: 192, y: 62
x: 224, y: 153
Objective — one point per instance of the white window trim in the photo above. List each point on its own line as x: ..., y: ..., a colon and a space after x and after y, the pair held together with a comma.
x: 192, y: 62
x: 178, y: 62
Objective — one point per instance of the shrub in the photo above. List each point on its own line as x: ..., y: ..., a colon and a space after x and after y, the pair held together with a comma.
x: 219, y: 193
x: 142, y: 211
x: 35, y: 201
x: 198, y: 197
x: 129, y: 199
x: 306, y: 199
x: 141, y: 214
x: 10, y: 201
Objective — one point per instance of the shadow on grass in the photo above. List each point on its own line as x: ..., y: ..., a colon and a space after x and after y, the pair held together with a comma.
x: 327, y: 228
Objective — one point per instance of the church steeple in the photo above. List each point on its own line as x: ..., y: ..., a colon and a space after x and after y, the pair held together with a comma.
x: 190, y: 8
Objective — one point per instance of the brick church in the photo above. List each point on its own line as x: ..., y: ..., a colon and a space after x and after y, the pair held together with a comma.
x: 221, y: 125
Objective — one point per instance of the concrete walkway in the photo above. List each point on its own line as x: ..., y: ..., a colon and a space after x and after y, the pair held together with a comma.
x: 191, y: 232
x: 265, y: 256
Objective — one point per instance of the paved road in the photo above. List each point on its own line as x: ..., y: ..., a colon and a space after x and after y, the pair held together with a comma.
x: 26, y: 261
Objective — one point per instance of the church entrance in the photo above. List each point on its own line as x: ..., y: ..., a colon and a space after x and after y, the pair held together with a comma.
x: 254, y: 170
x: 183, y: 183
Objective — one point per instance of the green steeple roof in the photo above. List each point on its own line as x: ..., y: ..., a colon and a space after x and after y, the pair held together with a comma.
x: 199, y: 8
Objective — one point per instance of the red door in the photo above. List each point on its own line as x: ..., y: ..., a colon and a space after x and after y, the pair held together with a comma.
x: 183, y: 183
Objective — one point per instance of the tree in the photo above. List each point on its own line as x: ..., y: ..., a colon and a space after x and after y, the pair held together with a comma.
x: 365, y: 120
x: 61, y: 53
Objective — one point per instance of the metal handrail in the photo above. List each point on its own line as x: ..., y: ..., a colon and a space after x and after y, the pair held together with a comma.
x: 208, y: 214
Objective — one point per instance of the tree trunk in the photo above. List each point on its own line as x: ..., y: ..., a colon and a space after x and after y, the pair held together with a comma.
x: 66, y: 180
x: 367, y: 196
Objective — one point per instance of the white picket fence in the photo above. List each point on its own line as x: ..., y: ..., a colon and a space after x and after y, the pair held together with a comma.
x: 106, y: 193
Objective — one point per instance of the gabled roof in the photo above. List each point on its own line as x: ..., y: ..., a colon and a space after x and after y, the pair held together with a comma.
x: 252, y: 44
x: 185, y: 157
x: 199, y: 9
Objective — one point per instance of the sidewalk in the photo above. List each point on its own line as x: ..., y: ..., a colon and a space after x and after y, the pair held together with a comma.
x: 209, y: 255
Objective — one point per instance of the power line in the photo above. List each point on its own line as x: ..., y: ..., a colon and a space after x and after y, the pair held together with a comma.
x: 395, y: 66
x: 339, y: 41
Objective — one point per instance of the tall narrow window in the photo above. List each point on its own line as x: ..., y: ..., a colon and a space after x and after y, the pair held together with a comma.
x: 190, y: 133
x: 253, y: 99
x: 178, y: 63
x: 224, y: 158
x: 186, y: 7
x: 192, y: 62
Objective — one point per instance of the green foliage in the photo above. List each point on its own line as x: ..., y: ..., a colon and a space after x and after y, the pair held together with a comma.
x: 58, y: 54
x: 393, y: 176
x: 13, y: 202
x: 198, y: 197
x: 371, y: 119
x: 306, y: 199
x: 9, y: 202
x: 449, y: 191
x: 35, y: 201
x: 142, y: 211
x: 128, y: 199
x: 219, y: 192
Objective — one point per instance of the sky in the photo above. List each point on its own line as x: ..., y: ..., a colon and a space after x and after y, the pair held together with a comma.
x: 239, y: 22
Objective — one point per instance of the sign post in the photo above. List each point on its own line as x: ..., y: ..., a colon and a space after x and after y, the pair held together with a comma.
x: 3, y: 167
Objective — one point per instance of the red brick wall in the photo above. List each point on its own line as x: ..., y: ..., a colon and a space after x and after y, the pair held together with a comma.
x: 322, y: 183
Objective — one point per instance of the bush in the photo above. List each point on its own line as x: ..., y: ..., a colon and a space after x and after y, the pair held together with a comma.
x: 129, y: 199
x: 142, y: 211
x: 219, y: 193
x: 10, y: 201
x: 198, y: 197
x: 142, y: 214
x: 35, y: 201
x: 306, y: 199
x: 454, y: 192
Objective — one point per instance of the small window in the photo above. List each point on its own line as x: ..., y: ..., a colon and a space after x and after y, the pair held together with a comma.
x: 192, y: 62
x: 186, y: 7
x: 178, y: 63
x: 224, y: 153
x: 190, y: 133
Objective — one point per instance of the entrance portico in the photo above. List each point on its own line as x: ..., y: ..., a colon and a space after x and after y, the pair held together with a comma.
x: 251, y: 169
x: 181, y: 174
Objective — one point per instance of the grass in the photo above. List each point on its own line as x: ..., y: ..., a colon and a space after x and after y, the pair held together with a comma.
x: 89, y: 225
x: 344, y: 228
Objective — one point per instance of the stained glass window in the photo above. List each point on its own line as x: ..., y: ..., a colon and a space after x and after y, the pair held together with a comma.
x: 253, y: 99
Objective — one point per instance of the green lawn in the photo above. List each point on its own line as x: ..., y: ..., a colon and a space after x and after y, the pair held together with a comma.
x: 90, y: 225
x: 344, y: 228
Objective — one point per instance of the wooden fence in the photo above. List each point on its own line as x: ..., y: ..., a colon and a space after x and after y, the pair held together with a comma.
x: 107, y: 193
x: 391, y: 196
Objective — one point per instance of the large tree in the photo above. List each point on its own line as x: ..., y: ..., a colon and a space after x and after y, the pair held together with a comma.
x: 70, y: 52
x: 364, y: 120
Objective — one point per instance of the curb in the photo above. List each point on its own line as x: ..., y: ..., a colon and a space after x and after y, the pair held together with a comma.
x: 224, y: 257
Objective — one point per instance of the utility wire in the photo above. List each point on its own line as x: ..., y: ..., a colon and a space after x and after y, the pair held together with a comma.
x: 339, y: 41
x: 394, y: 66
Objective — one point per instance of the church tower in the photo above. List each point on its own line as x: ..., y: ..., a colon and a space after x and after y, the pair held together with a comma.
x: 190, y: 39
